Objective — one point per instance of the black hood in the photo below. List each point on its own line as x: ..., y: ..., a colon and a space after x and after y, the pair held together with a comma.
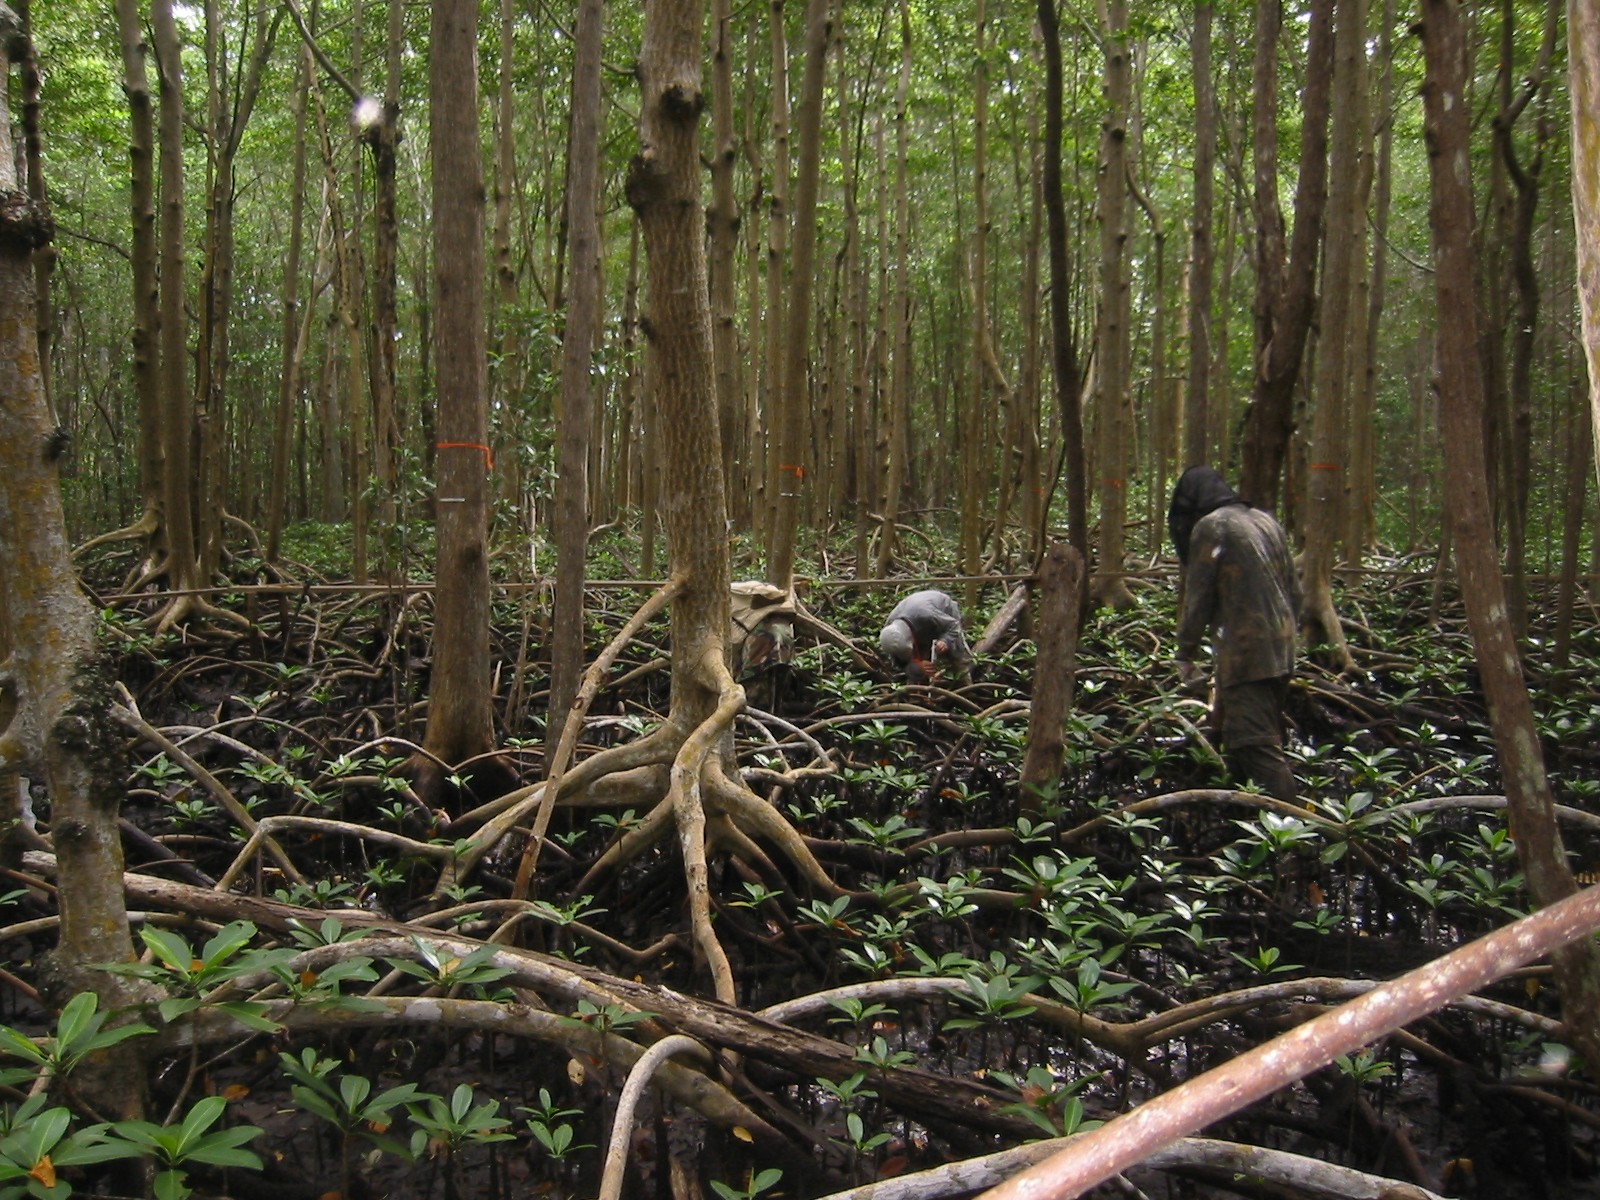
x: 1199, y: 491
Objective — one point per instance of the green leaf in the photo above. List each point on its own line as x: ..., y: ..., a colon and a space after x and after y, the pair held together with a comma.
x: 177, y: 1006
x: 20, y: 1046
x: 224, y: 1149
x: 77, y: 1018
x: 250, y: 1015
x: 171, y: 949
x: 200, y: 1118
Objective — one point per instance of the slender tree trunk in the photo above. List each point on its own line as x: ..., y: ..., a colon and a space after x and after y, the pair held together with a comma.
x: 176, y: 408
x: 1522, y: 208
x: 793, y: 402
x: 1110, y: 585
x: 629, y: 420
x: 1575, y: 501
x: 1031, y: 482
x: 231, y: 93
x: 780, y: 473
x: 1060, y: 600
x: 1530, y: 804
x: 382, y: 137
x: 293, y: 340
x: 1158, y: 368
x: 460, y: 710
x: 1063, y: 347
x: 970, y: 443
x: 1583, y: 67
x: 748, y: 506
x: 341, y: 328
x: 1196, y: 448
x: 1285, y: 287
x: 146, y: 323
x: 1361, y: 518
x: 503, y: 376
x: 1330, y: 434
x: 896, y: 455
x: 723, y: 224
x: 577, y: 357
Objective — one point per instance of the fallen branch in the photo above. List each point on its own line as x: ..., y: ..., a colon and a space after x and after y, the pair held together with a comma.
x: 1134, y: 1136
x: 1230, y: 1161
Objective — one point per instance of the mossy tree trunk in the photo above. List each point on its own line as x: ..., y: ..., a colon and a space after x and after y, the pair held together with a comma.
x: 58, y: 728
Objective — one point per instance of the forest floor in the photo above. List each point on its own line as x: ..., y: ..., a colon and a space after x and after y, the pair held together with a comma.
x: 984, y: 975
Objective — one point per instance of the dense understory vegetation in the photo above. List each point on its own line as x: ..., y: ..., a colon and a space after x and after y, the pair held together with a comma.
x: 1047, y: 963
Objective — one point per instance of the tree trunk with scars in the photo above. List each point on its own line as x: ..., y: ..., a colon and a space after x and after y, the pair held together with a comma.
x: 57, y: 701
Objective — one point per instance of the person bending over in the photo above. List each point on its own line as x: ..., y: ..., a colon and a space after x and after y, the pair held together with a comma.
x: 923, y: 636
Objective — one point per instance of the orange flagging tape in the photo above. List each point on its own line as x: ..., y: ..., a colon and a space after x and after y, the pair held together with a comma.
x: 488, y: 455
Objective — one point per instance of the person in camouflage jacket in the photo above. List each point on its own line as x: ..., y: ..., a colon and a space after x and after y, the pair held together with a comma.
x: 1238, y: 586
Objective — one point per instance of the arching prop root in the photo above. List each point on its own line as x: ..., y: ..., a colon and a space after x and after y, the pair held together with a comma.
x: 703, y: 800
x: 707, y: 806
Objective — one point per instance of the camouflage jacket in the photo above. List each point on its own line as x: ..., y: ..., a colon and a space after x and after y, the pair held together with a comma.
x: 1240, y: 586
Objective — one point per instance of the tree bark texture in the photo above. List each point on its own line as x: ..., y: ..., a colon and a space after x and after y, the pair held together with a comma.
x: 577, y: 357
x: 723, y: 225
x: 1110, y: 585
x: 793, y: 400
x: 780, y: 472
x: 146, y: 313
x: 663, y: 187
x: 182, y: 566
x: 1063, y: 346
x: 1056, y: 635
x: 1330, y: 440
x: 294, y: 339
x: 58, y: 728
x: 1197, y: 450
x: 1285, y: 286
x: 896, y: 443
x: 1583, y: 67
x: 460, y: 716
x: 1539, y: 848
